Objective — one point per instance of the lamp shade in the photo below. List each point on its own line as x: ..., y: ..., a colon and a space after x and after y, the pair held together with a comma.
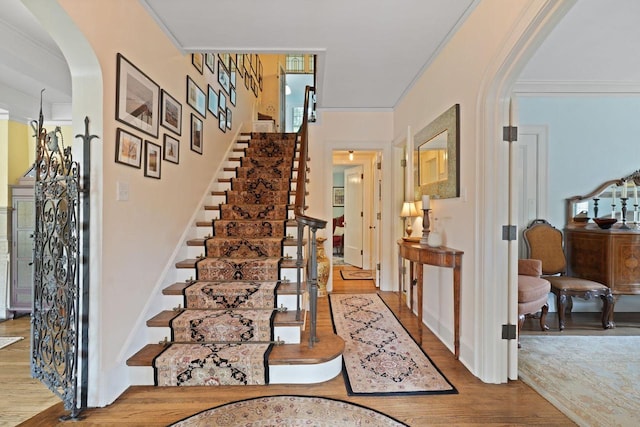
x: 408, y: 210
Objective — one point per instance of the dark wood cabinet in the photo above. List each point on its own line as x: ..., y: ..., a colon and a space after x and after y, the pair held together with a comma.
x: 611, y: 257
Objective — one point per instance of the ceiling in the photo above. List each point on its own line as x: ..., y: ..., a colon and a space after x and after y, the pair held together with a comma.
x: 369, y: 51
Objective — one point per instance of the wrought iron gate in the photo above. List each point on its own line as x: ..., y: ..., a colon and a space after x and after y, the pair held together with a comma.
x: 59, y: 320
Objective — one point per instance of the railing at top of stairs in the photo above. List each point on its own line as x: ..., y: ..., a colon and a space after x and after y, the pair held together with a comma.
x: 304, y: 221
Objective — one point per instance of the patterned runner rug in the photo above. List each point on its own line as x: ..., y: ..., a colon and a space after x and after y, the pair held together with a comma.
x: 289, y: 411
x: 356, y: 274
x: 380, y: 356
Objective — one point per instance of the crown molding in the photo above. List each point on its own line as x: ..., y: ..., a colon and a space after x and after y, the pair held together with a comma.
x: 576, y: 87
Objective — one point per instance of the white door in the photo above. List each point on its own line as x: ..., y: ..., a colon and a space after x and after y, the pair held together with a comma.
x: 377, y: 212
x: 353, y: 216
x: 531, y: 178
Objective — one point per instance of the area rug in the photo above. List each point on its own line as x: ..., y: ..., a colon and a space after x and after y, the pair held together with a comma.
x: 593, y: 380
x: 380, y: 357
x: 289, y: 411
x: 356, y: 274
x: 7, y: 341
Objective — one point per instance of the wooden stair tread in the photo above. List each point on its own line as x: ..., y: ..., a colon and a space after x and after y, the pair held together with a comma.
x: 285, y: 288
x: 199, y: 241
x: 328, y: 348
x: 163, y: 319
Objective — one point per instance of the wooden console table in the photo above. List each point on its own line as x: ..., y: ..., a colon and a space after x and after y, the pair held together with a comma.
x: 442, y: 256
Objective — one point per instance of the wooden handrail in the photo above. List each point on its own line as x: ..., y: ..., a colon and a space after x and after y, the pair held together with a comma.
x: 306, y: 221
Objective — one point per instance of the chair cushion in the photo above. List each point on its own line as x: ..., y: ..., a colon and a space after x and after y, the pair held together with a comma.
x: 532, y: 288
x: 531, y: 307
x: 574, y: 284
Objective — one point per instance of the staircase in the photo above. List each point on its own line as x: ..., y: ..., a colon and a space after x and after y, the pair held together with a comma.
x: 236, y: 323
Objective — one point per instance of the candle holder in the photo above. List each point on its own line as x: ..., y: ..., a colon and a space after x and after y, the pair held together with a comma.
x: 613, y: 208
x: 425, y: 227
x: 595, y: 207
x: 623, y: 202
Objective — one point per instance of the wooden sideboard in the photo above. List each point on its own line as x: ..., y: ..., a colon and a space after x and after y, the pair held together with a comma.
x: 611, y: 257
x: 441, y: 256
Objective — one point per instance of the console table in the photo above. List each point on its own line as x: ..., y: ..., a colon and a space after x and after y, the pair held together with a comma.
x: 441, y: 256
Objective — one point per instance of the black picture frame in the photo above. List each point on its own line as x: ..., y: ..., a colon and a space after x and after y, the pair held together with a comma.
x: 171, y: 149
x: 197, y: 128
x: 229, y: 118
x: 338, y: 196
x: 210, y: 61
x: 128, y: 148
x: 197, y: 59
x: 171, y: 113
x: 212, y: 101
x: 137, y: 98
x: 222, y: 101
x: 222, y: 121
x: 152, y: 159
x: 196, y: 97
x: 223, y: 77
x: 232, y: 96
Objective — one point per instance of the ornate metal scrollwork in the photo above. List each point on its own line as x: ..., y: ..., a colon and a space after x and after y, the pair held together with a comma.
x: 55, y: 317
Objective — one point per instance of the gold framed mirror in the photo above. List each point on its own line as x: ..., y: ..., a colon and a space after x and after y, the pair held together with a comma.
x: 436, y: 159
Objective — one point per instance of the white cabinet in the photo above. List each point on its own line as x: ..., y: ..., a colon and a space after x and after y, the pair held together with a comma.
x: 22, y: 229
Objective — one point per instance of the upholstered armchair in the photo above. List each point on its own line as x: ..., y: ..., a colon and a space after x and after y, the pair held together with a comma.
x: 533, y: 292
x: 545, y: 243
x: 338, y: 235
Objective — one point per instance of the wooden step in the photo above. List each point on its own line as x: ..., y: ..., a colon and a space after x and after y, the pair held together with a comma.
x: 191, y: 263
x: 164, y: 318
x: 200, y: 241
x: 224, y: 193
x: 326, y: 349
x: 285, y: 288
x: 290, y: 222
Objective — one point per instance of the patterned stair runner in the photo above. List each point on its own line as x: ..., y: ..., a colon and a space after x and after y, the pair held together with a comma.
x: 223, y: 335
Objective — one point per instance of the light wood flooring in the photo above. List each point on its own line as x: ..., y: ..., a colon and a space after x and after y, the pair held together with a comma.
x: 476, y: 404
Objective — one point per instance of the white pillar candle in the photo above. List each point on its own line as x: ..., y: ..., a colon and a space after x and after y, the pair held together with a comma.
x: 623, y: 193
x: 635, y: 192
x: 425, y: 202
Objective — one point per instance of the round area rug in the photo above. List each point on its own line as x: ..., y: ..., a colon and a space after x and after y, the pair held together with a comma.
x: 289, y: 411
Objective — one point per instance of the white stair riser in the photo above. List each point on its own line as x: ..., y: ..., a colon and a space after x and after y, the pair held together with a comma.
x: 305, y: 374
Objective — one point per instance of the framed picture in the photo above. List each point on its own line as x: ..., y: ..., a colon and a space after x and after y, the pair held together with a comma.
x: 223, y: 77
x: 171, y: 113
x: 128, y: 148
x: 247, y: 81
x: 212, y: 101
x: 152, y: 156
x: 240, y: 64
x: 222, y: 101
x: 232, y: 96
x: 197, y: 59
x: 210, y: 60
x: 228, y: 119
x: 222, y: 121
x: 196, y: 134
x: 137, y: 98
x: 338, y: 196
x: 171, y: 152
x: 196, y: 98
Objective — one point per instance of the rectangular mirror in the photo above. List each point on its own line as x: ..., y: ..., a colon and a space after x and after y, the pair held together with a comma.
x: 436, y: 157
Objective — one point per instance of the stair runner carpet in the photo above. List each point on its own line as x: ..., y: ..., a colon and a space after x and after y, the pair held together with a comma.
x: 223, y: 335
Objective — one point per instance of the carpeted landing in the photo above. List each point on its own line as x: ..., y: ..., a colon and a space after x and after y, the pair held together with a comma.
x: 225, y: 332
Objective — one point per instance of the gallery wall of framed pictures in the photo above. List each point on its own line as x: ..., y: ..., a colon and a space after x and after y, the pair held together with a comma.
x: 146, y: 109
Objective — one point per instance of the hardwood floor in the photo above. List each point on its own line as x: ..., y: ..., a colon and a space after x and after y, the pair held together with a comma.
x: 476, y: 404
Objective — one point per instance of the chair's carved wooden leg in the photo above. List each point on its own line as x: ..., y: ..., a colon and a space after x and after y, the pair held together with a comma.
x: 608, y: 304
x: 520, y: 324
x: 562, y: 306
x: 543, y: 318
